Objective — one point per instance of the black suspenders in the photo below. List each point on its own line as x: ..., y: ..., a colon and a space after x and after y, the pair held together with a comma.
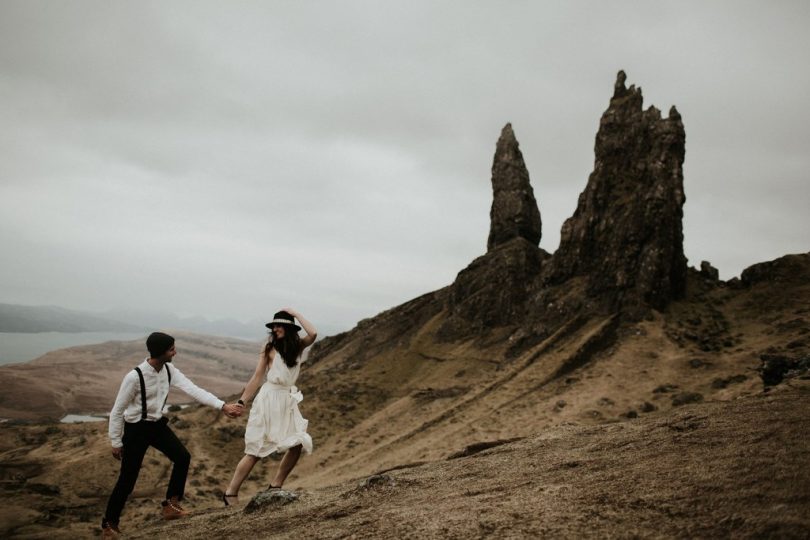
x: 143, y: 390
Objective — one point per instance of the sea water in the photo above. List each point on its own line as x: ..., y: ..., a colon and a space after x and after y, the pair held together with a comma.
x: 76, y: 418
x: 19, y: 347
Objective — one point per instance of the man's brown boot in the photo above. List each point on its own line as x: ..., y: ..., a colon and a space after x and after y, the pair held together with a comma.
x: 109, y: 531
x: 172, y: 509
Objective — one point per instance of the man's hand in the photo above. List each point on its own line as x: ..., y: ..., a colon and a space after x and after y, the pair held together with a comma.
x: 232, y: 410
x: 116, y: 452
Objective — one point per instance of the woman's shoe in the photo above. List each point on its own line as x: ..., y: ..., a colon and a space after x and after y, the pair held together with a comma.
x: 225, y: 498
x: 273, y: 488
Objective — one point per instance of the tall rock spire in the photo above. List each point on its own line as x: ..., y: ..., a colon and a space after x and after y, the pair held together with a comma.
x: 514, y: 210
x: 626, y: 235
x: 492, y: 291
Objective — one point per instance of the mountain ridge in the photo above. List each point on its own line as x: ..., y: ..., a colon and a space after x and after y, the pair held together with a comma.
x: 35, y: 319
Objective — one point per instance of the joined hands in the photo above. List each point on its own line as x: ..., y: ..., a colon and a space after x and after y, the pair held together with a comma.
x: 233, y: 410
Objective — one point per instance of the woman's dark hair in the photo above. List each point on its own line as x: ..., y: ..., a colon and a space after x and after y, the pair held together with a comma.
x: 289, y: 346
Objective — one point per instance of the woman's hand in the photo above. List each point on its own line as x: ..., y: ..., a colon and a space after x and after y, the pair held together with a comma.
x: 232, y: 410
x: 309, y: 328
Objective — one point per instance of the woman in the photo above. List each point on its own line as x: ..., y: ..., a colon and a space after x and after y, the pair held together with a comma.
x: 275, y: 423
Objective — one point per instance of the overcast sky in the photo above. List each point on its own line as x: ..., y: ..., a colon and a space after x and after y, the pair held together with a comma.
x: 225, y: 159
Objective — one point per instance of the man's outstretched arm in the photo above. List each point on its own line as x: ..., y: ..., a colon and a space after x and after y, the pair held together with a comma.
x: 203, y: 396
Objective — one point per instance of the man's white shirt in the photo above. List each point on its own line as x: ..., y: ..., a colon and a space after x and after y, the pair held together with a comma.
x: 128, y: 407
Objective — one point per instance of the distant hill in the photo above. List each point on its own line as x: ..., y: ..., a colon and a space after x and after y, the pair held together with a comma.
x: 252, y: 330
x: 33, y: 319
x: 85, y: 379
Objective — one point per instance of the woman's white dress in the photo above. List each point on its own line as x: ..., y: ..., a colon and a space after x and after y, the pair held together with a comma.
x: 275, y: 424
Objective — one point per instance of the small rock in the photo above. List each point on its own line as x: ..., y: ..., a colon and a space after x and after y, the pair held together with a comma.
x: 43, y: 489
x: 270, y: 499
x: 665, y: 388
x: 775, y: 367
x: 630, y: 414
x: 708, y: 271
x: 230, y: 432
x: 647, y: 407
x: 686, y: 397
x: 722, y: 383
x: 179, y: 423
x: 376, y: 480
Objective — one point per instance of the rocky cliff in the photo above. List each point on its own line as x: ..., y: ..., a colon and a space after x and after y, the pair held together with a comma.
x: 491, y: 291
x: 620, y: 253
x: 626, y: 236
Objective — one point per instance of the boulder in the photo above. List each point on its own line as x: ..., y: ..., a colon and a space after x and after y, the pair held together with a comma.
x: 708, y: 271
x: 787, y: 269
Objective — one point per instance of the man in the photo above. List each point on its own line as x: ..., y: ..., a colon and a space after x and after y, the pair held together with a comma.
x: 137, y: 422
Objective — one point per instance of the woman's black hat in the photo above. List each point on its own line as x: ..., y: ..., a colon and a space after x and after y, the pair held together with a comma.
x: 282, y: 317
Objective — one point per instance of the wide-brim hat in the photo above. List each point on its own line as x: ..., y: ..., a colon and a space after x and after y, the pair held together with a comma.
x: 282, y: 317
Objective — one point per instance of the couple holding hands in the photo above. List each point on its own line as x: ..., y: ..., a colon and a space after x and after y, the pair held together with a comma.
x: 274, y: 425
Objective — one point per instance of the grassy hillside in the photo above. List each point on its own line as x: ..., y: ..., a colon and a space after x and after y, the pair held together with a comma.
x: 736, y: 468
x: 627, y: 425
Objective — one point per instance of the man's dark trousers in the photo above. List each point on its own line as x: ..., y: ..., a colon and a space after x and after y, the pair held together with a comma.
x: 137, y: 438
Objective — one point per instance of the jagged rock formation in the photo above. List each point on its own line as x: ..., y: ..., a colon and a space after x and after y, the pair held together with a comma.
x: 621, y: 257
x: 621, y: 251
x: 491, y: 291
x: 626, y: 235
x: 514, y: 212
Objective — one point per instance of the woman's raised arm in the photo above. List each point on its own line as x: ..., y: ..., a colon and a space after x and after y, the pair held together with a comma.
x: 309, y: 339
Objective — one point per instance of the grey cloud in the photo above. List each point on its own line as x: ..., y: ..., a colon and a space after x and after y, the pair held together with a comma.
x: 218, y: 158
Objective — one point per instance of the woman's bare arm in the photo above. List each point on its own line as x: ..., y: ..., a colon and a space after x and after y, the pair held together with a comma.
x: 312, y: 333
x: 256, y: 380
